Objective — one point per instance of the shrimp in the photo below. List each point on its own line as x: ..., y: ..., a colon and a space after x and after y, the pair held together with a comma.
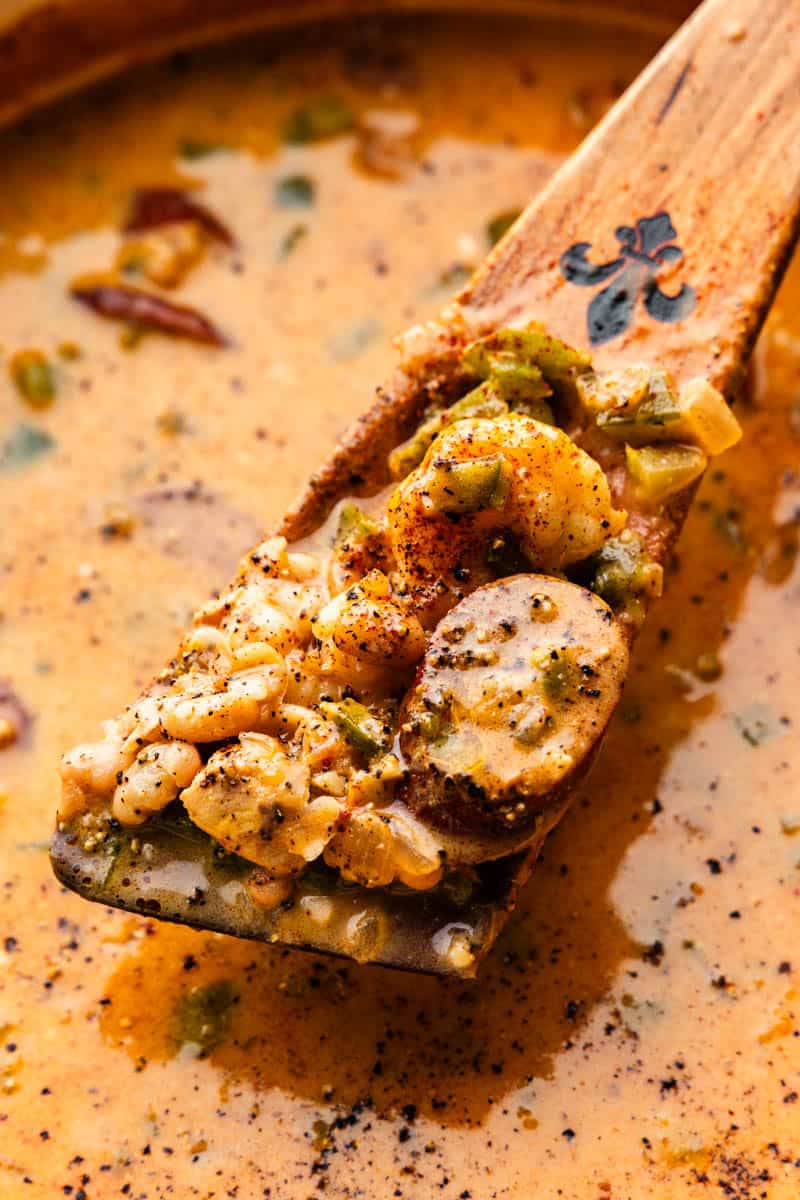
x: 273, y: 599
x: 480, y: 478
x: 368, y: 624
x: 153, y: 780
x: 255, y: 800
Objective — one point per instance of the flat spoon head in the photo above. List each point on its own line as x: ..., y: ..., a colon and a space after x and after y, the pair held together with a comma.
x: 661, y: 240
x: 664, y: 237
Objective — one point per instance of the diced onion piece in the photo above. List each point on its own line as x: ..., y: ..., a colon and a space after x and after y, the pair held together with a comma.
x: 706, y: 418
x: 663, y: 470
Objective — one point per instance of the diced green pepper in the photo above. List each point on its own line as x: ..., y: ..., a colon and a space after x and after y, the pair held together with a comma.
x: 429, y: 725
x: 354, y: 525
x: 34, y: 378
x: 291, y: 240
x: 665, y: 469
x: 484, y: 401
x: 359, y: 726
x: 639, y: 423
x: 623, y: 573
x: 500, y: 224
x: 319, y: 119
x: 24, y: 445
x: 294, y: 191
x: 204, y: 1015
x: 509, y: 349
x: 193, y: 149
x: 559, y: 674
x: 468, y: 487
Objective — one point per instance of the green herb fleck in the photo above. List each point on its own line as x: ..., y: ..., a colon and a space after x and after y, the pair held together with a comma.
x: 34, y: 378
x: 322, y: 118
x: 25, y: 445
x: 362, y: 730
x: 483, y: 401
x: 353, y: 526
x: 294, y: 191
x: 204, y: 1015
x: 291, y: 240
x: 193, y: 149
x: 500, y: 224
x: 624, y: 574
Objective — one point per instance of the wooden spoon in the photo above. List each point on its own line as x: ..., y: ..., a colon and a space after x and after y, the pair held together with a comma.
x: 662, y: 239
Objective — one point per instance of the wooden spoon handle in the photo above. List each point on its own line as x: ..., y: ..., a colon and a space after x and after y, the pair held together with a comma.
x: 664, y: 237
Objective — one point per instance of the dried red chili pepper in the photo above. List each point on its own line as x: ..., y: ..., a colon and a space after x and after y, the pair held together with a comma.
x: 148, y: 311
x: 153, y: 207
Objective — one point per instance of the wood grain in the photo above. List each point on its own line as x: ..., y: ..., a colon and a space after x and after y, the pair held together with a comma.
x: 710, y: 133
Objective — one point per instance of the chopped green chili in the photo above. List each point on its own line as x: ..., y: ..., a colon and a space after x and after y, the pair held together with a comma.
x: 353, y: 525
x: 204, y: 1015
x: 34, y: 378
x: 483, y: 401
x: 322, y: 118
x: 364, y: 731
x: 294, y: 191
x: 467, y: 487
x: 662, y: 470
x: 500, y: 224
x: 623, y: 573
x: 193, y: 149
x: 529, y: 362
x: 25, y: 445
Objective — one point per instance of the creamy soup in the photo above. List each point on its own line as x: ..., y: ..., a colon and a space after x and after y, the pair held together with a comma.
x: 634, y: 1032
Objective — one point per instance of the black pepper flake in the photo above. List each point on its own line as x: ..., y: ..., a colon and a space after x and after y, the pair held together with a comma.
x: 654, y: 953
x: 784, y: 968
x: 569, y: 1134
x: 714, y: 866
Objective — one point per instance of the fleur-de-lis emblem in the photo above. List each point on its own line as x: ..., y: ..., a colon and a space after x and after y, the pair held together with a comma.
x: 643, y: 250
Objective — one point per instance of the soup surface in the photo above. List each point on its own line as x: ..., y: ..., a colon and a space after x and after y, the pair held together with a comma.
x: 635, y: 1032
